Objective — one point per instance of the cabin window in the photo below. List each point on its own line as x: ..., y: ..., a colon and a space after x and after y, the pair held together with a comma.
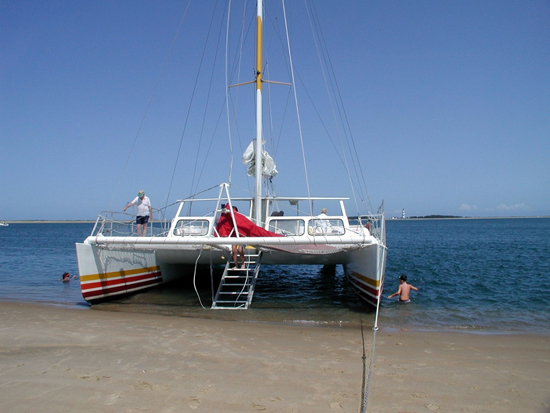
x: 191, y: 228
x: 326, y: 227
x: 287, y: 227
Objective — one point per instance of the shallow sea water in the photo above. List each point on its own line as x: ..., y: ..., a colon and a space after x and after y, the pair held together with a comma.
x: 483, y: 275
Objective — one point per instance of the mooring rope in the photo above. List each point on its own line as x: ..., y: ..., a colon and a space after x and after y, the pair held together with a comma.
x: 195, y: 279
x: 368, y: 373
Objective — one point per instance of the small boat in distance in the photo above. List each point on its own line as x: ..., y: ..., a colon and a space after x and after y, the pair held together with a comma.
x: 274, y: 230
x: 4, y: 224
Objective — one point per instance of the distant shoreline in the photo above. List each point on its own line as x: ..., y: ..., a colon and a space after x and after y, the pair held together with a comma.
x: 83, y: 221
x: 450, y: 218
x: 45, y: 221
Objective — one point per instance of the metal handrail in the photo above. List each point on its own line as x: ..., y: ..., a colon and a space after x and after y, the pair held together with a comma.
x: 107, y: 225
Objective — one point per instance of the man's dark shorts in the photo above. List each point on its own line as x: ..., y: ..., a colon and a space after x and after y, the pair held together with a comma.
x: 142, y: 220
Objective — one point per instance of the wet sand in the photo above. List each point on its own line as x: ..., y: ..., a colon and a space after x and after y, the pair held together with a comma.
x: 57, y: 359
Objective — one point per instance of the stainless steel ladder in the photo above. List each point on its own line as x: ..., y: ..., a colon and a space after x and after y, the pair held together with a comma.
x: 236, y: 287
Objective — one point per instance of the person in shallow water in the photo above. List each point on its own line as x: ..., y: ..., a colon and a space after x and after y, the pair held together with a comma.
x: 404, y: 290
x: 66, y: 277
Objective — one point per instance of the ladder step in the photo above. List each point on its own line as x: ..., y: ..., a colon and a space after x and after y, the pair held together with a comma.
x: 237, y: 284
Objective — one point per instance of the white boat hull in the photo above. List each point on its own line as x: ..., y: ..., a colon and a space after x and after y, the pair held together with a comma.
x: 115, y: 266
x: 365, y: 272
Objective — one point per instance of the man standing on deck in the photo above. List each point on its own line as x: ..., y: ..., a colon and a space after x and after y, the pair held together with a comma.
x: 144, y: 212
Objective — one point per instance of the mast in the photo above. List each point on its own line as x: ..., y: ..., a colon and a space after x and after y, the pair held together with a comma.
x: 259, y: 126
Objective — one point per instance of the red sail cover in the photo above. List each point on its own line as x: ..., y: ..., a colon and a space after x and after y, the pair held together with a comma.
x: 246, y: 227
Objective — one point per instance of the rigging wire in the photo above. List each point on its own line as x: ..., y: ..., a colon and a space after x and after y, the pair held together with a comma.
x: 149, y: 104
x: 205, y: 163
x: 206, y: 105
x: 343, y: 114
x: 275, y: 142
x: 297, y: 107
x: 345, y: 160
x: 190, y: 105
x: 324, y: 126
x: 271, y: 186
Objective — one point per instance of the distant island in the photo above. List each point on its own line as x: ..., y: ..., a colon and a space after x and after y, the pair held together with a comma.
x: 436, y: 216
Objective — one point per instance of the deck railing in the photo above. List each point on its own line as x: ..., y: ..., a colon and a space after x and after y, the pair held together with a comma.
x: 119, y: 224
x: 375, y: 223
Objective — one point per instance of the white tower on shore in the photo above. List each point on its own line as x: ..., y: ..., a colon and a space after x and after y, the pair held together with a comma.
x: 403, y: 214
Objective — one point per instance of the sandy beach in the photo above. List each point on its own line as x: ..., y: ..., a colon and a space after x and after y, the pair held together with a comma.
x: 57, y: 359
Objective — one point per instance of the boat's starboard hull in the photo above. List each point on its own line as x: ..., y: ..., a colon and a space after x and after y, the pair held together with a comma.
x: 365, y: 273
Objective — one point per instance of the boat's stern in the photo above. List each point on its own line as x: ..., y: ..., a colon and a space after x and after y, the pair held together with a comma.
x: 108, y: 272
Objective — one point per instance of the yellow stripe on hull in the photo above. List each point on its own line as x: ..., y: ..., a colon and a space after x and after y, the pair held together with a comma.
x: 115, y: 274
x: 370, y: 281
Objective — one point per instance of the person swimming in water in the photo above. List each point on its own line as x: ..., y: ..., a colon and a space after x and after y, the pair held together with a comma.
x: 66, y: 277
x: 404, y: 290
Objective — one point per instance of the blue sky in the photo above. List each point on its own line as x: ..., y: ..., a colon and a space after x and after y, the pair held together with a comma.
x: 448, y: 101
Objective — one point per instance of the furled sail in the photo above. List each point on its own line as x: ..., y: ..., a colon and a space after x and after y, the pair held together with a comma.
x: 268, y: 164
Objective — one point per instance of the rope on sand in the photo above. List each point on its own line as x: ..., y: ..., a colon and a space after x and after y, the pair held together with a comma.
x: 367, y: 373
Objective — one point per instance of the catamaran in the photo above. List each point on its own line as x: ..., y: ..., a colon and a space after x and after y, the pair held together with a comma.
x: 274, y: 230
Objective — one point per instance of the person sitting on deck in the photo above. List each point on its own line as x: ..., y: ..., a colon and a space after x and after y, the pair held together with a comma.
x: 323, y: 224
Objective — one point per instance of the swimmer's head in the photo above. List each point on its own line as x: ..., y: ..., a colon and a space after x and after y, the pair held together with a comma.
x: 403, y: 278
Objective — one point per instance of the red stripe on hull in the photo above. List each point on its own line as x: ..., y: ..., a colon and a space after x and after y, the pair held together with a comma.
x: 364, y: 286
x: 362, y: 289
x: 120, y: 286
x: 108, y: 283
x: 123, y: 289
x: 365, y: 297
